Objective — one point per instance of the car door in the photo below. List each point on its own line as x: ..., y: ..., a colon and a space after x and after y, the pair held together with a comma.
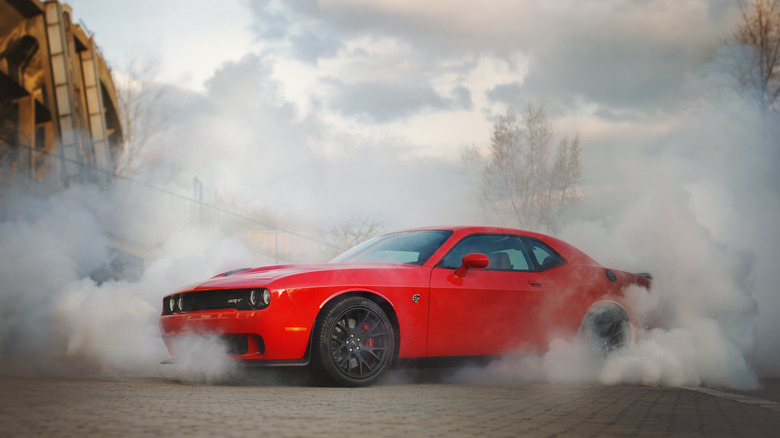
x: 488, y: 311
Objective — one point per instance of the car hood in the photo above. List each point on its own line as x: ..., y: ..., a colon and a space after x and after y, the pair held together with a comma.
x: 259, y: 277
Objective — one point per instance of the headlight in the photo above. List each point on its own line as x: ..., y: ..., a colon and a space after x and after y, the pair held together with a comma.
x: 180, y: 303
x: 171, y: 304
x: 259, y: 298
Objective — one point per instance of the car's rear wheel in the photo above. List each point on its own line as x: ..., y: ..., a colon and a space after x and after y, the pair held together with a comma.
x: 607, y: 325
x: 354, y: 342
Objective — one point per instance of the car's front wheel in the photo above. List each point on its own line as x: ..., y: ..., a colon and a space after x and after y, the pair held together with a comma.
x: 354, y: 342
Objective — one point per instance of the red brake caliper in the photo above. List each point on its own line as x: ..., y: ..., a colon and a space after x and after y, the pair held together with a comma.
x: 370, y: 341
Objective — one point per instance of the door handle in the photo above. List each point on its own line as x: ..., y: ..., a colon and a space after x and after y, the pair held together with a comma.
x: 535, y: 283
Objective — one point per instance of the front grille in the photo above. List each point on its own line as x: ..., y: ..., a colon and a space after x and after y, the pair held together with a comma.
x: 209, y: 300
x: 216, y: 299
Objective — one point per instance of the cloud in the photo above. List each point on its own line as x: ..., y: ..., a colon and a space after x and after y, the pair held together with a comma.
x: 382, y: 101
x: 510, y: 94
x: 271, y: 20
x: 618, y: 54
x: 252, y: 148
x: 310, y: 47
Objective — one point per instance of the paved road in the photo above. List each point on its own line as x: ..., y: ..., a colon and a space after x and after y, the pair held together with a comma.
x: 168, y: 407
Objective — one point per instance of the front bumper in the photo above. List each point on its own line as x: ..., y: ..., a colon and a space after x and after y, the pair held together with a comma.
x: 270, y: 334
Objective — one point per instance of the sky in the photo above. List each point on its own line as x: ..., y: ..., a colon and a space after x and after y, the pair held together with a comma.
x: 320, y: 87
x: 436, y: 73
x: 314, y: 112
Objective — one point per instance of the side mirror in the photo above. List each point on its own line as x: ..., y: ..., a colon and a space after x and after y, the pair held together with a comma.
x: 472, y: 261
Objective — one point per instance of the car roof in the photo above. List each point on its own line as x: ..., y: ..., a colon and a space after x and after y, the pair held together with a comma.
x: 470, y: 229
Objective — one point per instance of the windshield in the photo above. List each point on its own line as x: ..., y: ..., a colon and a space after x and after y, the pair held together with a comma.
x: 407, y: 247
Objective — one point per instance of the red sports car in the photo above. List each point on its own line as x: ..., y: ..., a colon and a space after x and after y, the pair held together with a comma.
x: 422, y: 293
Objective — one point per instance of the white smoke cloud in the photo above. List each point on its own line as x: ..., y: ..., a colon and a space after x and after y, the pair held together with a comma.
x: 700, y: 213
x: 55, y: 319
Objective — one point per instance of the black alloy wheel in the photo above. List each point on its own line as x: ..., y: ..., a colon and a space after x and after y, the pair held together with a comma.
x: 354, y: 342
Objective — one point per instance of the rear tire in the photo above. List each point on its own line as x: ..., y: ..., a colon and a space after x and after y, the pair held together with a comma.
x: 608, y: 326
x: 354, y: 342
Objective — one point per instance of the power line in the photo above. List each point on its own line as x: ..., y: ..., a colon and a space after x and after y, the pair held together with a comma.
x: 179, y: 196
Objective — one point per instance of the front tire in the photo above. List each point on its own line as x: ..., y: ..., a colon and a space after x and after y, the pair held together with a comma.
x: 354, y: 342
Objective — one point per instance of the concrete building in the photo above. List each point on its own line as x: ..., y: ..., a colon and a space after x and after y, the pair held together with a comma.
x: 59, y: 117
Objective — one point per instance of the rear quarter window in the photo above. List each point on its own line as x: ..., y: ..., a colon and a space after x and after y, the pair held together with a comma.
x: 542, y: 255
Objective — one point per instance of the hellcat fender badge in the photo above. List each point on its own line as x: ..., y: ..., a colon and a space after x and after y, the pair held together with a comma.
x: 416, y: 297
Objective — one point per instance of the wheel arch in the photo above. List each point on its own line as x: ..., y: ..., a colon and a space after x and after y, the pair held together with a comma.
x: 380, y: 300
x: 602, y: 305
x: 608, y: 303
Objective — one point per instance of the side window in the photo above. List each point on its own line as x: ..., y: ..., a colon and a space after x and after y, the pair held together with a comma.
x: 542, y: 255
x: 506, y: 253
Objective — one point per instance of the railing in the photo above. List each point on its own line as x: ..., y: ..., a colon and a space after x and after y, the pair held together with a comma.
x: 283, y: 245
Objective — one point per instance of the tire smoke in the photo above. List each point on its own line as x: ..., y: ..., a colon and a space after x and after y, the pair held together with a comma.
x: 703, y: 220
x: 57, y: 319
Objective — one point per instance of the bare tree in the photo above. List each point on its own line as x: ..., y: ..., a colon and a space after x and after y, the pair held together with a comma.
x: 520, y: 181
x: 350, y: 232
x: 139, y: 95
x: 757, y: 37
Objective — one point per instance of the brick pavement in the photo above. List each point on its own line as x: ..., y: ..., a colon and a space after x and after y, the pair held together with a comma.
x: 155, y: 407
